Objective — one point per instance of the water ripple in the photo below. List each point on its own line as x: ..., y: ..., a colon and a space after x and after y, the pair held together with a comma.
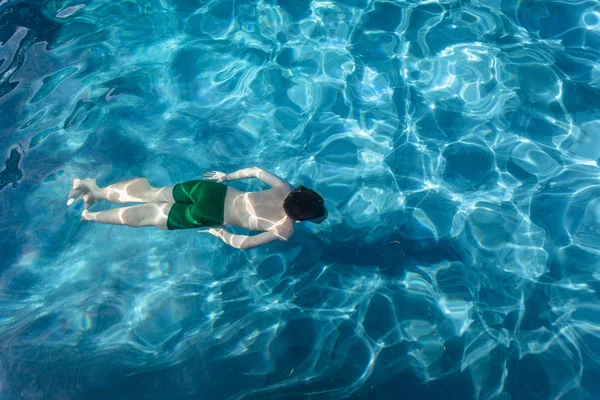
x: 455, y: 143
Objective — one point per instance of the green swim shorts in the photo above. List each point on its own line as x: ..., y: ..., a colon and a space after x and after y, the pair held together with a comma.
x: 197, y: 204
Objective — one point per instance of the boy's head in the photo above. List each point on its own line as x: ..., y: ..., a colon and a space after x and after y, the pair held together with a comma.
x: 303, y: 204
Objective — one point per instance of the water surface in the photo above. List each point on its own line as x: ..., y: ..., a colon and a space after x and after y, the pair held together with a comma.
x: 456, y: 144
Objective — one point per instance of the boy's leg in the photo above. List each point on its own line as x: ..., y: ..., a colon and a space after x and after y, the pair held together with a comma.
x: 137, y: 190
x: 142, y: 215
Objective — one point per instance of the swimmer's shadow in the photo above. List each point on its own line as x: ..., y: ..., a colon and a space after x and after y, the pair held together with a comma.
x: 390, y: 254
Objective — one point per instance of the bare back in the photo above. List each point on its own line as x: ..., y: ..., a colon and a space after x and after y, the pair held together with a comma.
x: 259, y: 211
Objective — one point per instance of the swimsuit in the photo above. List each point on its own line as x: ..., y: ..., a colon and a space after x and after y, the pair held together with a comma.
x: 197, y: 204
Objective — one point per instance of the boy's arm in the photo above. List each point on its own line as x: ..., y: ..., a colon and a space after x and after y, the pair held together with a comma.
x: 253, y: 172
x: 244, y: 242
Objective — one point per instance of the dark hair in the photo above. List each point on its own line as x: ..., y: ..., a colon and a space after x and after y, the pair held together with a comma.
x: 302, y: 204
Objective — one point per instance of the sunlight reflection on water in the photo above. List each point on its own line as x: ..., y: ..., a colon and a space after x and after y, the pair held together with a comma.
x: 456, y: 146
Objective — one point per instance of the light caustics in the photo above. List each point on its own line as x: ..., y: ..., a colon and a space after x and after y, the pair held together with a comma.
x: 456, y: 148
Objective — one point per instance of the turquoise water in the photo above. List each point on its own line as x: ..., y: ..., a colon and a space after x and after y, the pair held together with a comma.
x: 456, y: 144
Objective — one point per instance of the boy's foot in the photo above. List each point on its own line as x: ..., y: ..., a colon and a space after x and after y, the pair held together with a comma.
x: 85, y: 215
x: 86, y: 190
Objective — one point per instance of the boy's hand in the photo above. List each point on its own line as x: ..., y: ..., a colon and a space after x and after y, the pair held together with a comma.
x: 218, y: 232
x: 215, y: 176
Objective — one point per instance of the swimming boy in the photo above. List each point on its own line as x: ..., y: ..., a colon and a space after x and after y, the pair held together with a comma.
x: 208, y: 204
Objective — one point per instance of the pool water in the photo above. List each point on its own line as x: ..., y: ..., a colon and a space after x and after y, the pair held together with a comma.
x: 456, y: 144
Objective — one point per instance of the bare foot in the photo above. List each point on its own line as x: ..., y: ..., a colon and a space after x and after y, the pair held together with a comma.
x: 85, y: 215
x: 86, y: 190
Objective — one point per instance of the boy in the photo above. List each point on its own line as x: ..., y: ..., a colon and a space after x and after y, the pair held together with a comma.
x: 207, y: 203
